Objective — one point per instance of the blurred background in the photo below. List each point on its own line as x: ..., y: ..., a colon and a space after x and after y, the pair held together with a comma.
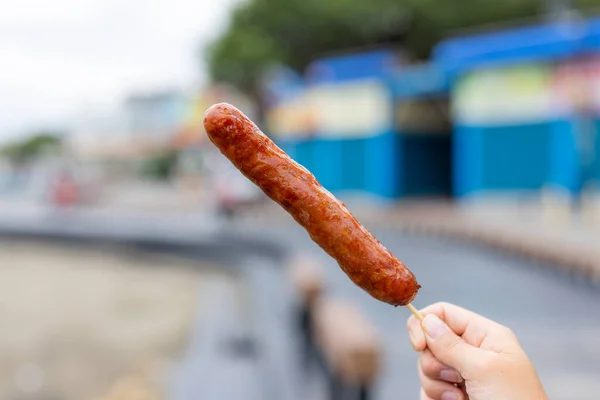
x: 137, y: 263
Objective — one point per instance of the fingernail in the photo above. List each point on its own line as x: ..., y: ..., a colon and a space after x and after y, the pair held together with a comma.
x: 450, y: 396
x: 450, y: 375
x: 434, y: 326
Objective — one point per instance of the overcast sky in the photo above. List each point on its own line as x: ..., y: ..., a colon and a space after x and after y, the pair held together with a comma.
x: 61, y: 56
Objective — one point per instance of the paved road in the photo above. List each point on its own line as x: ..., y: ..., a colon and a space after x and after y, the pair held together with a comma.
x: 557, y: 320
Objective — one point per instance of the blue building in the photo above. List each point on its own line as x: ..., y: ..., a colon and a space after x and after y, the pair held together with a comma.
x: 523, y: 108
x: 353, y: 126
x: 510, y: 112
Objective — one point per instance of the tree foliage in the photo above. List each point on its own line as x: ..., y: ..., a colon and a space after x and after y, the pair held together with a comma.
x: 161, y: 166
x: 36, y: 145
x: 294, y: 32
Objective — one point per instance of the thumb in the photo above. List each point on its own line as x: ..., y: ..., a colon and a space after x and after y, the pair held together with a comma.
x: 447, y: 346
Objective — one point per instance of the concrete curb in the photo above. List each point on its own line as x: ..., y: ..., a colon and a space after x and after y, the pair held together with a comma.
x: 577, y: 260
x: 217, y: 243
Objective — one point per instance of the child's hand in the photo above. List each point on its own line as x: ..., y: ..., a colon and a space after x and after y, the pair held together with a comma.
x: 481, y: 356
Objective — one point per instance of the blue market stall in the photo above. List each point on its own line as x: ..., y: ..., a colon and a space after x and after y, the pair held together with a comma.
x: 520, y: 99
x: 366, y: 126
x: 340, y: 126
x: 422, y: 131
x: 354, y: 145
x: 523, y: 105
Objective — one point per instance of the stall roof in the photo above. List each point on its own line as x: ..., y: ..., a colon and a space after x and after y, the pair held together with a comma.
x: 419, y: 81
x: 372, y: 64
x: 539, y: 42
x: 592, y: 40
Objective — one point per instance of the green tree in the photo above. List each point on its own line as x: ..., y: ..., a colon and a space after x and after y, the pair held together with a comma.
x: 160, y: 166
x: 294, y: 32
x: 36, y: 145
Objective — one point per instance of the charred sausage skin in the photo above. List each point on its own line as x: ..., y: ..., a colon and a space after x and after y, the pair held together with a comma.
x: 368, y: 263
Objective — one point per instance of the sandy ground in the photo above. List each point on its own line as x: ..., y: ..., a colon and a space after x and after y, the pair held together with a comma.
x: 93, y: 324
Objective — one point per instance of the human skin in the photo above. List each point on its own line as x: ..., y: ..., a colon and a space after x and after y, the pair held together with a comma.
x: 466, y: 356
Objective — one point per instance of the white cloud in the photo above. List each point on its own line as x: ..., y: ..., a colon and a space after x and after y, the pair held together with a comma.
x: 59, y: 55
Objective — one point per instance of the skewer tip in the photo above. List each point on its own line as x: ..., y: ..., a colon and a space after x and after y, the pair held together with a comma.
x: 414, y: 311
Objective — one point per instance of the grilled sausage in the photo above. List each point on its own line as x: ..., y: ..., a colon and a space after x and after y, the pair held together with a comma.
x: 326, y: 219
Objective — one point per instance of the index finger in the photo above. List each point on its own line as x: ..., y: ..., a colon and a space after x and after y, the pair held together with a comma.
x: 471, y: 326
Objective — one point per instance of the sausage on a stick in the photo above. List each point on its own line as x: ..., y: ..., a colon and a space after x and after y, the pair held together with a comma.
x: 326, y: 219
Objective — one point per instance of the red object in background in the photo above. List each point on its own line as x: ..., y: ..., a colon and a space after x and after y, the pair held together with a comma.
x: 576, y: 83
x: 225, y: 195
x: 65, y: 192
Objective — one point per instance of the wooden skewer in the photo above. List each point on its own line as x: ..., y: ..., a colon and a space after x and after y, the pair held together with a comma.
x: 415, y: 312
